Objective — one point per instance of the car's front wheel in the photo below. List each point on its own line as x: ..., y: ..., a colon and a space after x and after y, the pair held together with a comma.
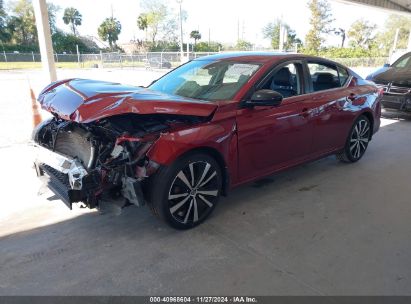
x: 357, y: 141
x: 185, y: 193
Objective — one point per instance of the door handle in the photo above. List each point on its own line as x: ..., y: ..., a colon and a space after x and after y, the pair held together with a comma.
x: 304, y: 112
x: 352, y: 97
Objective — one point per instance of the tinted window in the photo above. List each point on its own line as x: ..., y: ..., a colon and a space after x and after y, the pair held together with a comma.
x: 206, y: 79
x: 286, y: 80
x: 324, y: 77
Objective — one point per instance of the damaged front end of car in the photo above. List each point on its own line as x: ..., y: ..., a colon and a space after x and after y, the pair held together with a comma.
x: 83, y: 162
x: 101, y: 160
x: 95, y: 147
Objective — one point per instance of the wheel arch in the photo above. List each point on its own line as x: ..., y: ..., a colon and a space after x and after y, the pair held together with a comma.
x: 370, y: 117
x: 214, y: 153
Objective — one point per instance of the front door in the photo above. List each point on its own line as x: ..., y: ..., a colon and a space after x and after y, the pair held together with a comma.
x: 271, y: 138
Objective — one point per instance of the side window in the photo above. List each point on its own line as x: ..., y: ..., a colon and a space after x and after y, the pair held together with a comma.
x: 286, y: 81
x: 323, y: 77
x: 343, y: 74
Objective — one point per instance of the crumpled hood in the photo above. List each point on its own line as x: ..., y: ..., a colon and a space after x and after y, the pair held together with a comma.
x: 84, y: 101
x: 376, y: 73
x: 399, y: 76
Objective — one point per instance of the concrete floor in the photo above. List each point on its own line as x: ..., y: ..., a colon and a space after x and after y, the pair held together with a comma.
x: 325, y: 228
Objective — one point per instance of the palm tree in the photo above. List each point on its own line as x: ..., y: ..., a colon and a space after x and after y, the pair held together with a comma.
x: 340, y: 32
x: 109, y: 31
x: 72, y: 16
x: 196, y: 36
x: 142, y: 23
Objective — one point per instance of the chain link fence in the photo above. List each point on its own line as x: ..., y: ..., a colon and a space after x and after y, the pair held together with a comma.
x: 151, y: 60
x: 105, y: 60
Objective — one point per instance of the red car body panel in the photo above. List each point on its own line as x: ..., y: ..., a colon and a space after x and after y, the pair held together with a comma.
x: 251, y: 142
x: 270, y: 139
x: 84, y: 101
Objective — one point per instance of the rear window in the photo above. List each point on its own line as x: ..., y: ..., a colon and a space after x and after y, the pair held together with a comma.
x: 323, y: 76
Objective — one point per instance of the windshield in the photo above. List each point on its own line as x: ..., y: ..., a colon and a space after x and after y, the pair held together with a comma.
x: 403, y: 61
x: 206, y: 79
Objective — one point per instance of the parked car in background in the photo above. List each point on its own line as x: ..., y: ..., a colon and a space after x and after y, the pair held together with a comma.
x: 395, y: 80
x: 158, y: 63
x: 212, y: 124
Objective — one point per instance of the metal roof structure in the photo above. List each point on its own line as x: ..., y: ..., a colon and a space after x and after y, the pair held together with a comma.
x: 400, y: 6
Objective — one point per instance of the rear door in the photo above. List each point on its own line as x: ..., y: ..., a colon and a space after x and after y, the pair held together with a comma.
x: 330, y: 93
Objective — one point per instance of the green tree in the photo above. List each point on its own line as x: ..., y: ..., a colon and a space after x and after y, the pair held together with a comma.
x: 272, y: 31
x: 156, y: 14
x: 243, y: 45
x: 320, y: 20
x: 4, y: 33
x: 161, y: 22
x: 385, y: 39
x: 196, y: 36
x: 22, y: 24
x: 361, y: 34
x: 73, y: 18
x: 142, y: 23
x: 63, y: 42
x: 52, y: 10
x: 206, y: 47
x: 109, y: 31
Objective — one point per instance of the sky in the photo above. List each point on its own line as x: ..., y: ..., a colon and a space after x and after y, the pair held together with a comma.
x: 220, y: 17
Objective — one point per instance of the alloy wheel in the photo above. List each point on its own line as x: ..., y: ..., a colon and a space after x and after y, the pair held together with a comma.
x: 360, y: 137
x: 193, y: 192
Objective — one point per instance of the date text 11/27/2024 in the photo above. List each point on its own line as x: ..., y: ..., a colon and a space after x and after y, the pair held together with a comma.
x: 234, y: 299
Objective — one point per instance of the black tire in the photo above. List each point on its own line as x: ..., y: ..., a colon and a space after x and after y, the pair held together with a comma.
x: 185, y: 193
x: 357, y: 141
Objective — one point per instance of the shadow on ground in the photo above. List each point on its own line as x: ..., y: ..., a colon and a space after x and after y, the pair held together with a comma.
x: 322, y: 228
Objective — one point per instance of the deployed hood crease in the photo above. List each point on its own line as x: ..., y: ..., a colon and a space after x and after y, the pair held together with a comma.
x: 84, y: 101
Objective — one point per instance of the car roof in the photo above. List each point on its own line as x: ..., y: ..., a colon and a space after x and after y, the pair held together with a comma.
x: 260, y: 57
x: 250, y: 56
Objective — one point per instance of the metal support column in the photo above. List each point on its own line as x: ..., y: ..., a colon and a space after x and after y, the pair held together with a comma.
x: 44, y: 35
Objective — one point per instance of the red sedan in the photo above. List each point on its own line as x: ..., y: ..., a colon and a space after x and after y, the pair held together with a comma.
x: 212, y: 124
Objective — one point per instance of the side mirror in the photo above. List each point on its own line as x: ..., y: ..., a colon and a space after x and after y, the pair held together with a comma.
x: 386, y: 65
x: 265, y: 98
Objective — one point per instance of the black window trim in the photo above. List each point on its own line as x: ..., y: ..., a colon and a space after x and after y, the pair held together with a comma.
x: 306, y: 77
x: 348, y: 74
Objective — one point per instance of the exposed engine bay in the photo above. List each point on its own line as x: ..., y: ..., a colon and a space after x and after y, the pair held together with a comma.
x: 106, y: 158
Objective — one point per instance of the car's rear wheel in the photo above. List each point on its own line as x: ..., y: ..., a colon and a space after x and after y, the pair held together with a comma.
x: 185, y: 193
x: 357, y: 141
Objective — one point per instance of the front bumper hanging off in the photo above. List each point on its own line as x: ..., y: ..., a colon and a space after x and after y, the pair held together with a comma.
x: 66, y: 177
